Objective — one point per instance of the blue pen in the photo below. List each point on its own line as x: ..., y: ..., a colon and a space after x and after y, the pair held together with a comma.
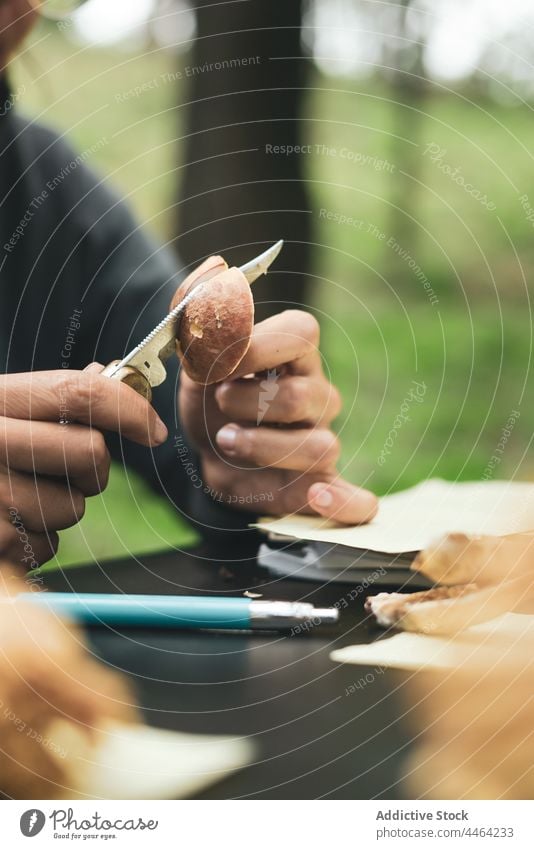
x: 167, y: 611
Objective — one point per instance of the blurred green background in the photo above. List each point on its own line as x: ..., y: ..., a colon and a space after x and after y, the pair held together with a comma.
x: 471, y: 349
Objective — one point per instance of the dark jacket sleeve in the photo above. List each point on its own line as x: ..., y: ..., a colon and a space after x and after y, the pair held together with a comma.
x: 84, y: 256
x: 131, y: 281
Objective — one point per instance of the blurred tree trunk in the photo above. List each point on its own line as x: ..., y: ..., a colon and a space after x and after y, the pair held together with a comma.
x: 408, y: 92
x: 236, y: 198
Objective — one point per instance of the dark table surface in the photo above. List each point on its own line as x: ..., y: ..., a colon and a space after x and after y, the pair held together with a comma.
x: 321, y: 729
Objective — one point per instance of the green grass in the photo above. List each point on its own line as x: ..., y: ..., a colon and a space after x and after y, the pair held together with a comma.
x: 127, y: 518
x: 380, y: 331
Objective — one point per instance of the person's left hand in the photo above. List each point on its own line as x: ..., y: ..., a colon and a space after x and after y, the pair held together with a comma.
x: 264, y: 434
x: 48, y: 675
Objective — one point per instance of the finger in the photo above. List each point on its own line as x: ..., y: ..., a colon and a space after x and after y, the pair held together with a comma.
x: 278, y: 492
x: 342, y: 502
x: 84, y: 397
x: 281, y: 399
x: 200, y: 415
x: 291, y: 337
x: 299, y: 450
x: 44, y: 504
x: 29, y: 549
x: 75, y: 451
x: 95, y: 368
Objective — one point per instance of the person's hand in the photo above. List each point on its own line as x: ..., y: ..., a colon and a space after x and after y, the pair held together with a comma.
x: 53, y: 454
x: 264, y: 434
x: 47, y: 675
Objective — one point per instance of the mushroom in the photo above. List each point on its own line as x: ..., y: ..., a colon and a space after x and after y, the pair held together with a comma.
x: 216, y: 326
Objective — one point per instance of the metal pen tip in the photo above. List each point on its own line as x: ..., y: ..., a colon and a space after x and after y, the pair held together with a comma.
x: 260, y: 265
x: 326, y: 614
x: 289, y: 614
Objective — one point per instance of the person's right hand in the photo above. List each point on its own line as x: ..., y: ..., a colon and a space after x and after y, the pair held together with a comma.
x: 53, y: 454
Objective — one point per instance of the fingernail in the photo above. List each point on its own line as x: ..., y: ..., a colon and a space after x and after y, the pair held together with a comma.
x: 94, y: 367
x: 324, y: 498
x: 160, y: 432
x: 219, y: 392
x: 226, y: 438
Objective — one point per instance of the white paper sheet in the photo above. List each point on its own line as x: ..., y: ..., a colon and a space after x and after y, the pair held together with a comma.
x: 411, y: 520
x: 140, y: 762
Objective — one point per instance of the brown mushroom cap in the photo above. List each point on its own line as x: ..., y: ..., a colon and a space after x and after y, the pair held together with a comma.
x: 216, y: 326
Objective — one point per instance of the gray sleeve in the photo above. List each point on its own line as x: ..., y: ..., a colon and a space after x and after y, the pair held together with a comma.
x: 83, y: 250
x: 129, y: 284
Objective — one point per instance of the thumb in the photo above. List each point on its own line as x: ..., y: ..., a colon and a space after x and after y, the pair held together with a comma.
x: 343, y: 502
x: 94, y: 368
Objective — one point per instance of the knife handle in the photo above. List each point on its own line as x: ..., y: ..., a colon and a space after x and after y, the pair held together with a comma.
x: 131, y: 377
